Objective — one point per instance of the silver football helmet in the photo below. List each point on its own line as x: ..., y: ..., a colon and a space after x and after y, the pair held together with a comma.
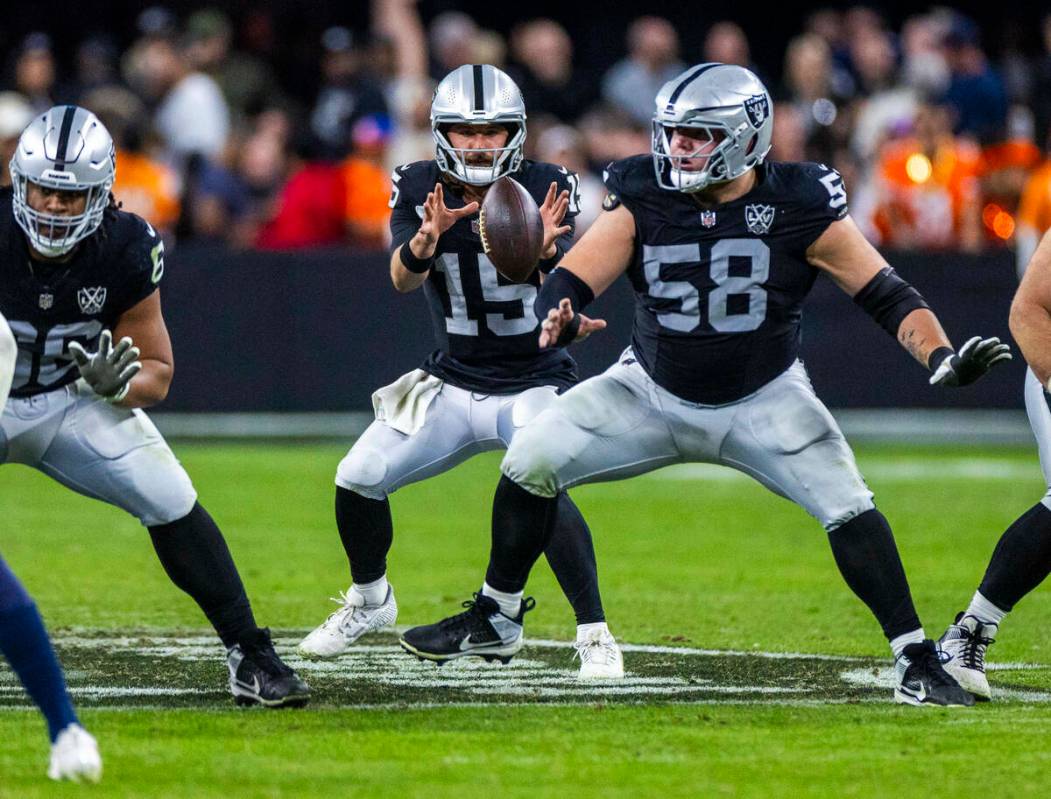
x: 729, y: 106
x: 474, y: 94
x: 65, y: 148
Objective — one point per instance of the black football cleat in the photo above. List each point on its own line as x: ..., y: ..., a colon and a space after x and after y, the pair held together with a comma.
x: 259, y: 677
x: 480, y: 631
x: 923, y: 681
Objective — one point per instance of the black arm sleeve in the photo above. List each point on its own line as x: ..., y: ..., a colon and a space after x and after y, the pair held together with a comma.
x: 888, y: 299
x: 559, y: 285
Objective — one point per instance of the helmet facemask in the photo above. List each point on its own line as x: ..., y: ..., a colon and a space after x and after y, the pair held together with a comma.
x: 690, y: 172
x: 457, y: 161
x: 54, y: 235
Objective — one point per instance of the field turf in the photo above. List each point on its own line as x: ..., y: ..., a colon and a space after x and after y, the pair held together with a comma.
x: 753, y: 671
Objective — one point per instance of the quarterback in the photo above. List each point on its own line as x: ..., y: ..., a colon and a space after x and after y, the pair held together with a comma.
x: 73, y: 268
x: 1021, y: 559
x: 721, y: 248
x: 488, y: 376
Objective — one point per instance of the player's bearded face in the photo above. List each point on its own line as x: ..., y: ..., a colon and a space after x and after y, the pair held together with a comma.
x: 52, y: 204
x: 480, y: 141
x: 693, y: 146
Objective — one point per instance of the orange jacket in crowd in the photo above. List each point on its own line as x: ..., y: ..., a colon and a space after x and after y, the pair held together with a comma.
x: 929, y: 203
x: 368, y: 201
x: 147, y: 188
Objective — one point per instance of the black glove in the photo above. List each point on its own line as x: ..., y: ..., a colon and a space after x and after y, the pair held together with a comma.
x: 974, y: 359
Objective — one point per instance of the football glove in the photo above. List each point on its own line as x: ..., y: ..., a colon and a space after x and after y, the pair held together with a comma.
x: 109, y: 370
x: 974, y: 359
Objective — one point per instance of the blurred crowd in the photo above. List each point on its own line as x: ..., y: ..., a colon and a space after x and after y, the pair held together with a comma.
x: 940, y: 145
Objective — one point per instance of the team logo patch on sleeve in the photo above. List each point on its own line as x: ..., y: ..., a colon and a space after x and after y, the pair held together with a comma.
x: 91, y: 300
x: 610, y: 201
x: 758, y: 109
x: 759, y: 218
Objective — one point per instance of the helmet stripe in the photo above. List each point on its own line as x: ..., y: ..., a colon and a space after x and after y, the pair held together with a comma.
x: 63, y: 136
x: 688, y: 80
x: 479, y: 92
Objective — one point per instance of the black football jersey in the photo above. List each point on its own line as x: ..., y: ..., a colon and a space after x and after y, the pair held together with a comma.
x: 719, y: 291
x: 48, y: 305
x: 484, y: 324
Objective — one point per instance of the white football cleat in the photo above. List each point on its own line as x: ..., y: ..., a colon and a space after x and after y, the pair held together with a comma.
x: 347, y: 624
x: 600, y: 657
x: 964, y: 643
x: 75, y: 756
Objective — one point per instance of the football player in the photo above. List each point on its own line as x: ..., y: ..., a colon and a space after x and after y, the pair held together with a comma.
x: 73, y: 268
x: 1022, y: 557
x: 488, y: 376
x: 24, y: 642
x: 721, y: 249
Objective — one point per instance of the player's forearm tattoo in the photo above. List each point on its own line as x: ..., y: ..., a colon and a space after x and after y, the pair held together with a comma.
x: 916, y: 345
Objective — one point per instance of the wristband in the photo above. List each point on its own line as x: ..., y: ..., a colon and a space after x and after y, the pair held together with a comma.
x: 545, y: 265
x: 936, y: 358
x: 411, y: 262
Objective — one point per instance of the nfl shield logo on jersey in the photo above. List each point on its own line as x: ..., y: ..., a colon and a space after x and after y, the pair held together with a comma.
x: 708, y: 218
x: 759, y: 218
x: 46, y: 300
x: 91, y: 300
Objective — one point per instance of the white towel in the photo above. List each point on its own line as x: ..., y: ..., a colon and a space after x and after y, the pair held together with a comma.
x: 403, y: 404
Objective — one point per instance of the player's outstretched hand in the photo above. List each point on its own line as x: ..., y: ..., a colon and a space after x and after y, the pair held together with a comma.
x: 552, y: 212
x: 109, y: 370
x: 974, y: 359
x: 562, y: 321
x: 437, y: 218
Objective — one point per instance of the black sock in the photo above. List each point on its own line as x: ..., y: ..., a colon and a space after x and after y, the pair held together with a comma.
x: 366, y: 530
x: 522, y: 525
x: 572, y: 557
x: 194, y: 554
x: 1021, y: 560
x: 868, y: 560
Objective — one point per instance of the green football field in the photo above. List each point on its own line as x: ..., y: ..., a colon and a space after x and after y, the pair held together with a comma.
x: 752, y: 669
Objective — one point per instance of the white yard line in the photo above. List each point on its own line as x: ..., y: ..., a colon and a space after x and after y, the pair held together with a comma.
x: 386, y: 666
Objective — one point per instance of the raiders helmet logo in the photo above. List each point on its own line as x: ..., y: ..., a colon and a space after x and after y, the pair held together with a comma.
x: 759, y: 218
x: 758, y: 109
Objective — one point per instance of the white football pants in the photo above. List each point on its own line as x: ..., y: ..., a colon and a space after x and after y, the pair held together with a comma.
x: 458, y: 425
x: 1036, y: 405
x: 621, y: 423
x: 100, y: 450
x: 8, y: 355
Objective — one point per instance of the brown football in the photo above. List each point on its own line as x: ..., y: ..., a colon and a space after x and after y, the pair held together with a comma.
x: 511, y: 229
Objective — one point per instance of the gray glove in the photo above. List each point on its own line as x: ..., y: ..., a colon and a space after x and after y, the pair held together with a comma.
x: 110, y: 370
